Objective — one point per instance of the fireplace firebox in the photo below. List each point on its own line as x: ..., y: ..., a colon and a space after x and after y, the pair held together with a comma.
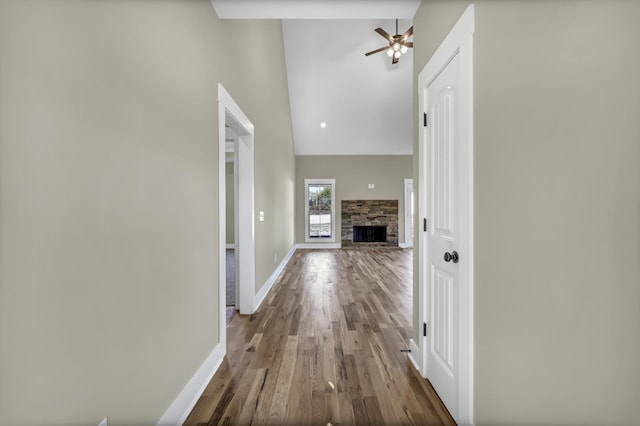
x: 369, y: 234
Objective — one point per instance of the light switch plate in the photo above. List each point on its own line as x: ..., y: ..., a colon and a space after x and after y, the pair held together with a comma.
x: 261, y: 216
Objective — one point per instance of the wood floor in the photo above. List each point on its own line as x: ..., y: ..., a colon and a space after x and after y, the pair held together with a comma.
x: 324, y: 349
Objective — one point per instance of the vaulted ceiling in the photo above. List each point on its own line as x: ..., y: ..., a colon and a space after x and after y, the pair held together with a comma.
x: 365, y: 102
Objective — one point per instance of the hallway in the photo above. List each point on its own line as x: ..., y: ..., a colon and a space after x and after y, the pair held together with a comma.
x: 325, y: 348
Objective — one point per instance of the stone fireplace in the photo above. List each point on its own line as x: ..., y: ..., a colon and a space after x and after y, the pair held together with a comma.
x: 369, y: 223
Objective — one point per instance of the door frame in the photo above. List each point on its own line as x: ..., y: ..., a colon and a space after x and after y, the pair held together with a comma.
x: 229, y: 111
x: 458, y: 42
x: 409, y: 215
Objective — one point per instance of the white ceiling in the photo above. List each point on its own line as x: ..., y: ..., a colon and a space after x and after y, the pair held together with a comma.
x: 365, y: 102
x: 315, y: 9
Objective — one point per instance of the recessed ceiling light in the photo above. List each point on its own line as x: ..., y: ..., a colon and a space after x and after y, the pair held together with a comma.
x: 323, y: 124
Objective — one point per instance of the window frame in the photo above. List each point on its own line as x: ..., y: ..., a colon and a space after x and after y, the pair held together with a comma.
x: 307, y: 183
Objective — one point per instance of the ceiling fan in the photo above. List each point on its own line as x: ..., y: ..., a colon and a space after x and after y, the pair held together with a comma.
x: 398, y: 44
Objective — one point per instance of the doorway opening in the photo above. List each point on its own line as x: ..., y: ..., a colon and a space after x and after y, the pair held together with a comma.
x: 232, y: 288
x: 234, y: 123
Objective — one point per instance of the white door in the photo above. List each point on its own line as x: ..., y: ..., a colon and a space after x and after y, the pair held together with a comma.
x: 409, y: 210
x: 442, y: 245
x: 445, y: 265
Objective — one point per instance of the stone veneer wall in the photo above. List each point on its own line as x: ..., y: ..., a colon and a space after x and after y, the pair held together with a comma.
x: 369, y: 213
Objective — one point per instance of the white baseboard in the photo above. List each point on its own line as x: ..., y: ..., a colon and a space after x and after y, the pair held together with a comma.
x: 415, y: 356
x: 405, y: 245
x: 259, y: 298
x: 319, y: 246
x: 179, y: 410
x: 231, y: 246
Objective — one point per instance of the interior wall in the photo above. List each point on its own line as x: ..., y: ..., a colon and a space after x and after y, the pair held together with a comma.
x: 108, y: 198
x: 260, y: 88
x: 353, y: 173
x: 557, y: 207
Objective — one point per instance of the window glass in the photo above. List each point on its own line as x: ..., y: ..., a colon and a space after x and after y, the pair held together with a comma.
x: 320, y: 210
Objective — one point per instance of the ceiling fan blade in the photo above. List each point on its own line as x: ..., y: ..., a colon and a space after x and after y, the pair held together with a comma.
x: 408, y: 33
x: 376, y: 51
x: 384, y: 34
x: 409, y: 44
x: 394, y: 60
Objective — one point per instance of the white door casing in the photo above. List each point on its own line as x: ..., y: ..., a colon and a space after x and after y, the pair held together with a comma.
x: 409, y: 212
x: 446, y: 201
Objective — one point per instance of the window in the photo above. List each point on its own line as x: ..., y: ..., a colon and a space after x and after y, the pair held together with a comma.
x: 320, y: 210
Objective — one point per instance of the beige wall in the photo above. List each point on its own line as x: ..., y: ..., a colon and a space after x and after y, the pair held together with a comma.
x: 230, y: 200
x: 108, y: 198
x: 352, y: 174
x: 257, y: 81
x: 557, y: 219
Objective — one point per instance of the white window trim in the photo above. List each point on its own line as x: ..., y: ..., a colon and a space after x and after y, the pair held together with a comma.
x: 331, y: 182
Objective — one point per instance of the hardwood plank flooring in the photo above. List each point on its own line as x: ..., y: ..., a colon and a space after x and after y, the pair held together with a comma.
x: 324, y: 349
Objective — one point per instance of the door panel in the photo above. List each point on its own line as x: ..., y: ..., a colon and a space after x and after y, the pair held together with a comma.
x: 442, y: 297
x: 442, y: 154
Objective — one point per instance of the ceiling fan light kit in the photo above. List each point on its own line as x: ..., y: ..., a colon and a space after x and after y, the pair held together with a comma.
x: 398, y: 44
